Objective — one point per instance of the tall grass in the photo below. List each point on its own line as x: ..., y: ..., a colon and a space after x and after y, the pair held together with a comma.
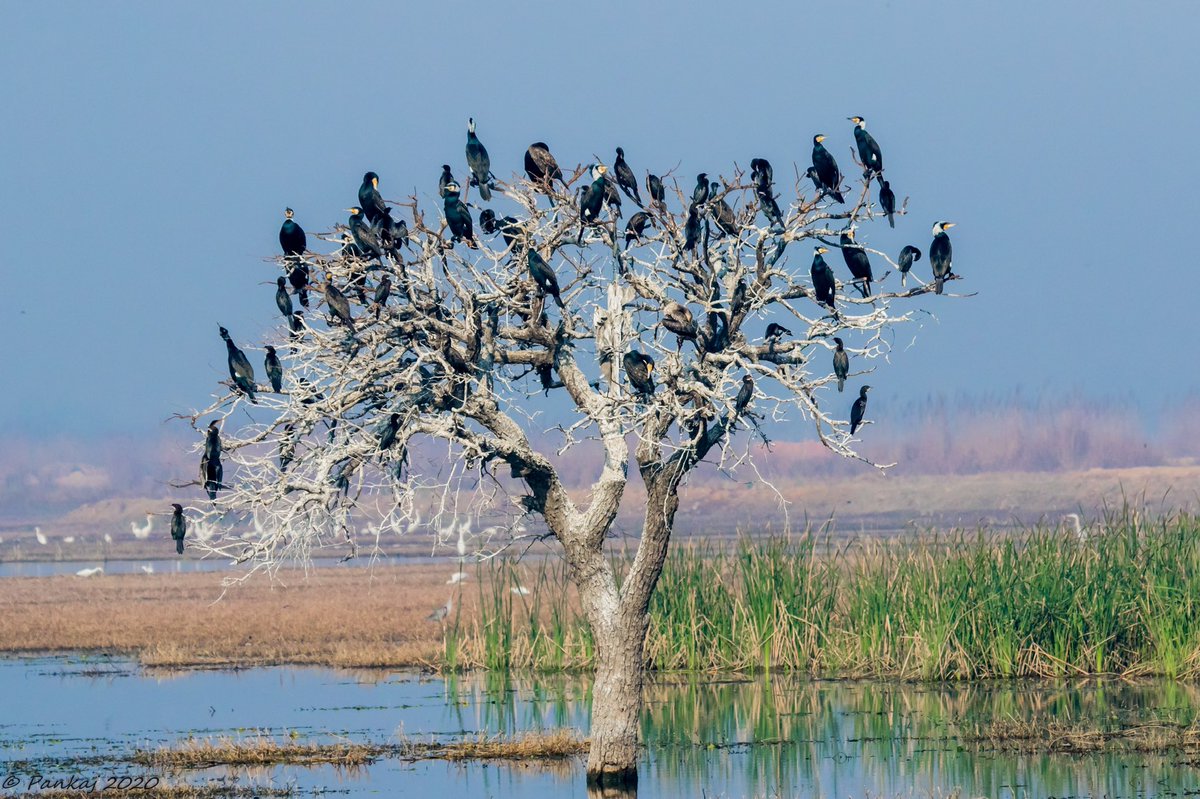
x: 964, y: 605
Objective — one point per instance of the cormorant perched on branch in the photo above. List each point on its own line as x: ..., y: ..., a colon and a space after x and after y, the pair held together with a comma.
x: 678, y: 319
x: 365, y: 237
x: 178, y: 527
x: 507, y: 226
x: 655, y: 188
x: 274, y: 370
x: 721, y: 213
x: 744, y: 395
x: 940, y: 255
x: 868, y: 148
x: 543, y: 275
x: 291, y: 236
x: 444, y: 180
x: 625, y: 178
x: 636, y: 226
x: 858, y: 410
x: 887, y: 201
x: 691, y: 229
x: 211, y: 471
x: 387, y: 436
x: 762, y: 175
x: 857, y: 260
x: 776, y: 331
x: 370, y: 200
x: 639, y: 368
x: 240, y: 370
x: 825, y: 172
x: 478, y: 162
x: 841, y: 364
x: 700, y: 193
x: 541, y: 167
x: 824, y: 284
x: 908, y: 256
x: 458, y: 217
x: 283, y: 300
x: 382, y: 291
x: 339, y: 306
x: 298, y: 277
x: 591, y: 199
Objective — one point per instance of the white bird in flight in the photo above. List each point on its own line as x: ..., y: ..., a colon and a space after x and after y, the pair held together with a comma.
x: 41, y: 538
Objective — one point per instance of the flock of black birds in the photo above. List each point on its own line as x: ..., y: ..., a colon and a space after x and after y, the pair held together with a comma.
x: 373, y: 232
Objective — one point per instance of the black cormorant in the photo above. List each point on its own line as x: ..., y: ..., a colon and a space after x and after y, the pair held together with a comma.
x: 291, y: 236
x: 761, y: 174
x: 370, y: 200
x: 541, y: 167
x: 458, y: 217
x: 841, y: 363
x: 868, y: 148
x: 824, y: 284
x: 178, y: 527
x: 655, y: 187
x: 700, y: 193
x: 776, y: 331
x: 365, y: 237
x: 636, y: 226
x: 591, y: 199
x: 887, y: 201
x: 940, y: 255
x: 211, y: 470
x: 639, y: 368
x: 679, y: 320
x: 543, y: 275
x: 274, y: 370
x: 479, y: 163
x: 825, y: 172
x: 444, y: 180
x: 392, y: 235
x: 283, y: 300
x: 721, y: 213
x: 625, y: 178
x: 339, y: 306
x: 240, y: 370
x: 744, y: 395
x: 858, y: 410
x: 691, y: 229
x: 296, y: 324
x: 387, y: 436
x: 857, y: 260
x: 298, y: 277
x: 507, y: 226
x: 612, y: 197
x: 382, y: 291
x: 908, y: 256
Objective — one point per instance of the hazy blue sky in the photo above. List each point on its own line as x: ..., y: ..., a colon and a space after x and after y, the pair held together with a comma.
x: 149, y: 149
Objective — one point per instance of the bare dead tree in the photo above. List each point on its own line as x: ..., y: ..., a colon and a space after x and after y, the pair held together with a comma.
x: 423, y: 410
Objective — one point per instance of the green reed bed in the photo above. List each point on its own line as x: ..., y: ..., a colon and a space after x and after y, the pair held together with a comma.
x: 963, y: 605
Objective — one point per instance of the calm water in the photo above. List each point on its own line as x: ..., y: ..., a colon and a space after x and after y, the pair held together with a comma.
x: 784, y: 737
x: 53, y: 568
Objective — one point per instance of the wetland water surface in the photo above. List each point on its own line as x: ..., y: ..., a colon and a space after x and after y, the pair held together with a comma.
x: 776, y: 737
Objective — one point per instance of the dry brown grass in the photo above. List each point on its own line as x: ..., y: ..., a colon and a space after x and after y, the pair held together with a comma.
x: 1059, y: 738
x: 195, y: 753
x: 555, y: 745
x: 341, y: 617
